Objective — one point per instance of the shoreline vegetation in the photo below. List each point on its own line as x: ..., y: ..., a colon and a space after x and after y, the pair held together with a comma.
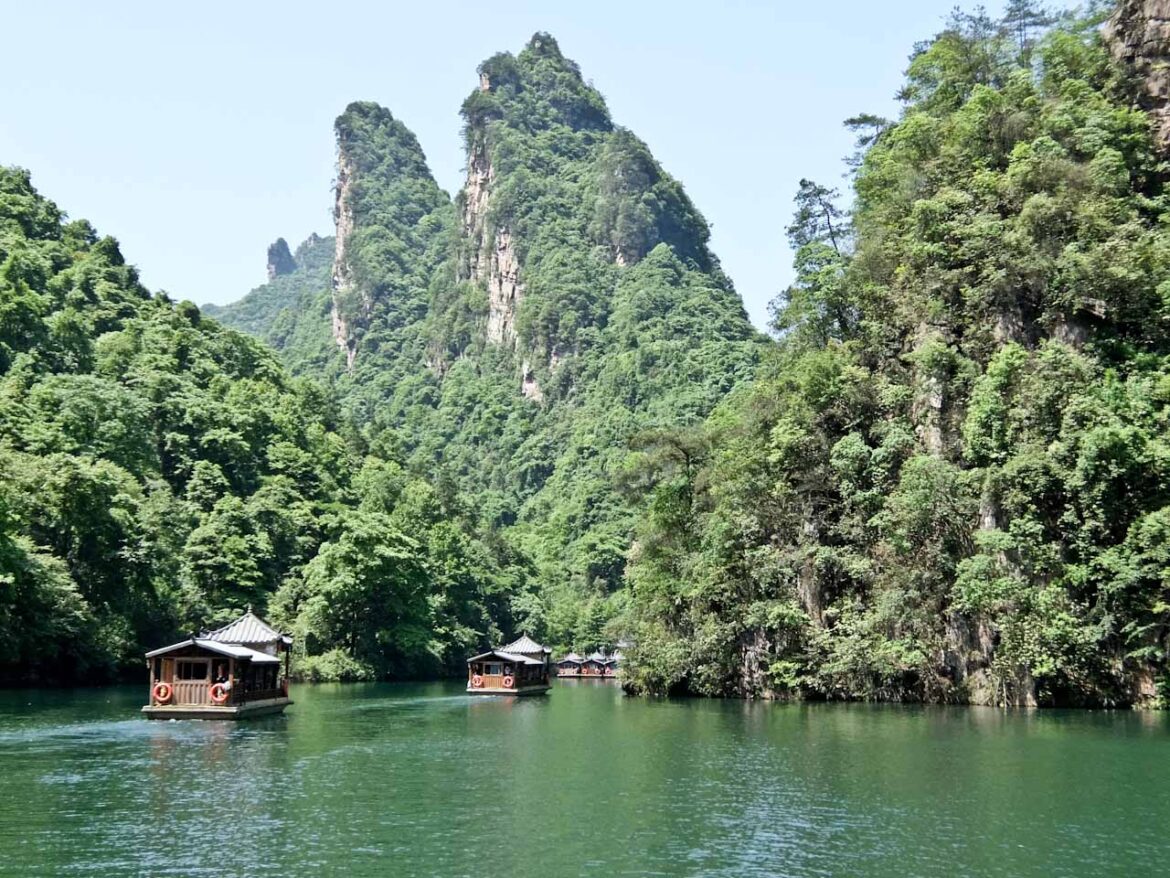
x: 539, y: 408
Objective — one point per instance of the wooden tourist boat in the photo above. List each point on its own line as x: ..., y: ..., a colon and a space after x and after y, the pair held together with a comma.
x: 598, y: 666
x: 570, y: 666
x: 238, y: 671
x: 520, y: 668
x: 593, y: 667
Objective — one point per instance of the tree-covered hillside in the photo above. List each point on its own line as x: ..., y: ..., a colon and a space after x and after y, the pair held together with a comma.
x: 514, y: 343
x: 539, y: 406
x: 159, y: 472
x: 950, y: 480
x: 275, y: 310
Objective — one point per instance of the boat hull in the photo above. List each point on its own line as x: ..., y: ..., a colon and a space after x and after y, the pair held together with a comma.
x: 208, y: 711
x: 527, y: 690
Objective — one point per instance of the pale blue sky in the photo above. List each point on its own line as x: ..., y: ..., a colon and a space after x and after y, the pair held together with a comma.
x: 198, y: 133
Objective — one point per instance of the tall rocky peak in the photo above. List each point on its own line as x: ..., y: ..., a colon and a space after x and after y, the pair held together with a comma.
x: 280, y: 259
x: 306, y: 246
x: 386, y: 215
x: 548, y: 172
x: 535, y: 91
x: 1138, y: 34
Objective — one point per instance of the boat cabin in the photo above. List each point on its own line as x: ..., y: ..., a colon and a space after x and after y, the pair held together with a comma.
x: 594, y: 665
x: 520, y: 668
x: 570, y: 666
x: 238, y: 670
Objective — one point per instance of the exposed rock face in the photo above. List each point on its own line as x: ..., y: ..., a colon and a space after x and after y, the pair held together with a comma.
x: 280, y: 260
x: 529, y: 386
x: 312, y: 241
x: 343, y: 332
x: 930, y: 400
x: 969, y: 648
x: 1138, y: 34
x: 492, y: 256
x: 504, y: 289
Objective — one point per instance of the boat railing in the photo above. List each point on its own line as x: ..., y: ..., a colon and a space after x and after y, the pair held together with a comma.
x: 192, y: 692
x: 495, y: 681
x: 198, y: 692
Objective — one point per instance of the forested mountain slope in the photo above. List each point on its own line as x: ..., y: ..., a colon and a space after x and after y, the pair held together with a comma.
x: 516, y: 341
x: 292, y: 295
x: 950, y: 480
x: 159, y: 472
x: 539, y: 406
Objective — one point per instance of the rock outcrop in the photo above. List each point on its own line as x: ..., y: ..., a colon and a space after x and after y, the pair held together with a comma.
x: 1138, y: 34
x: 280, y: 259
x: 343, y: 292
x: 492, y: 258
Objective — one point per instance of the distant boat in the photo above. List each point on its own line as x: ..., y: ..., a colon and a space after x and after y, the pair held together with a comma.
x: 596, y: 666
x: 570, y: 666
x: 520, y: 668
x: 237, y: 671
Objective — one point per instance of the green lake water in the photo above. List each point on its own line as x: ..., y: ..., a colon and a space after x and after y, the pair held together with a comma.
x: 400, y: 780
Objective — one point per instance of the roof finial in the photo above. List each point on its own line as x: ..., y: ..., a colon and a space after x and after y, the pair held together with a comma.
x: 249, y: 608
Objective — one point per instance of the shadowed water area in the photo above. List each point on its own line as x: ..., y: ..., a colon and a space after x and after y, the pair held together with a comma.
x: 424, y: 780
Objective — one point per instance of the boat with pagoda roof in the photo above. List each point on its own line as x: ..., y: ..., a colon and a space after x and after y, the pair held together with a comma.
x: 237, y: 671
x: 596, y: 666
x: 570, y: 666
x: 522, y: 667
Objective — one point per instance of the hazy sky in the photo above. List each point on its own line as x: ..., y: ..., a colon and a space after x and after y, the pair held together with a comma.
x: 198, y: 133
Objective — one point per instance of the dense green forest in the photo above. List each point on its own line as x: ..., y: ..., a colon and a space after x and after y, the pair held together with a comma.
x: 159, y: 472
x: 539, y: 406
x: 949, y: 481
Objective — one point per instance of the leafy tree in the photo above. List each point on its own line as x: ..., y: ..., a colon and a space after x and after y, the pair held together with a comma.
x: 365, y: 593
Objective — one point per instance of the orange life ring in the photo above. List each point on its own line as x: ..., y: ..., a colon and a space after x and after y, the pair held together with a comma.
x: 218, y: 693
x: 476, y: 681
x: 162, y: 692
x: 507, y: 681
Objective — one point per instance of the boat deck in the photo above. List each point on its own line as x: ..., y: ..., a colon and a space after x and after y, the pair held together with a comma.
x: 247, y: 710
x: 500, y: 690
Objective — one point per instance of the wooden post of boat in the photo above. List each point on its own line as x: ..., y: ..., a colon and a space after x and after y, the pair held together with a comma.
x: 252, y: 652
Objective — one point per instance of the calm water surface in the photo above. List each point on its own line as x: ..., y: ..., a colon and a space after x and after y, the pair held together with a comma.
x: 424, y: 780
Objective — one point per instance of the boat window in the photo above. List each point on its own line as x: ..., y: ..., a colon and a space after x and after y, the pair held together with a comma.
x: 191, y: 670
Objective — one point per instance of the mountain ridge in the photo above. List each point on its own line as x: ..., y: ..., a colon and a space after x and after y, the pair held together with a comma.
x: 565, y: 300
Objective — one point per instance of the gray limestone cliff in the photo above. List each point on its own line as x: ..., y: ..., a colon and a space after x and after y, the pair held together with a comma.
x: 491, y: 251
x: 1138, y: 34
x: 342, y: 280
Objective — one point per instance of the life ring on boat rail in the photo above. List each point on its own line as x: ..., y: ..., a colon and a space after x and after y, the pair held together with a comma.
x: 218, y: 693
x: 476, y: 681
x: 507, y: 681
x: 162, y: 692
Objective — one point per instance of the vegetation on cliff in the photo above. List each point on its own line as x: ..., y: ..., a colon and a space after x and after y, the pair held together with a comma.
x: 950, y: 480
